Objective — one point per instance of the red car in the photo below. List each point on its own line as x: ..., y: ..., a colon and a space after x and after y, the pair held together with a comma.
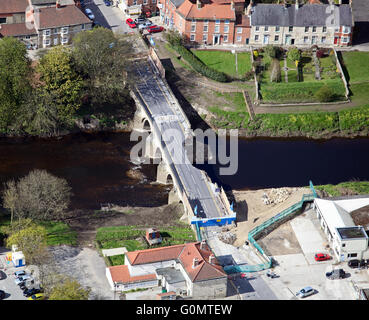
x: 148, y: 14
x: 154, y: 29
x: 322, y: 257
x: 131, y: 23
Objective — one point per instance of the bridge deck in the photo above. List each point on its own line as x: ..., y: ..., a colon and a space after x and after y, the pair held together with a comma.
x: 161, y: 106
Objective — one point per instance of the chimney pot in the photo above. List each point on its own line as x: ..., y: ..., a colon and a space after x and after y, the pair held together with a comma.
x: 211, y: 258
x: 195, y: 262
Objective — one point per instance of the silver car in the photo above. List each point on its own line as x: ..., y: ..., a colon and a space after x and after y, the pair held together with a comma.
x: 89, y: 14
x: 305, y: 292
x: 23, y: 278
x: 145, y: 25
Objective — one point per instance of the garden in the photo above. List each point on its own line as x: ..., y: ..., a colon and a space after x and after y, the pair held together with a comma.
x: 296, y: 76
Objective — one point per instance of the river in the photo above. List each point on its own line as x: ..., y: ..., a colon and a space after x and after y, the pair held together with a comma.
x: 97, y: 165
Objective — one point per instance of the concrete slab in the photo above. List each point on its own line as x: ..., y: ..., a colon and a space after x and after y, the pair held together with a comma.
x: 290, y: 260
x: 113, y: 252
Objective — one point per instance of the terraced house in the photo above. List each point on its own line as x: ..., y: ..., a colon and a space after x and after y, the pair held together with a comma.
x: 207, y: 22
x: 42, y: 23
x: 301, y: 25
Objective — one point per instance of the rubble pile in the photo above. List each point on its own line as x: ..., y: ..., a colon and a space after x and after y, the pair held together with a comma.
x: 278, y: 195
x: 227, y: 237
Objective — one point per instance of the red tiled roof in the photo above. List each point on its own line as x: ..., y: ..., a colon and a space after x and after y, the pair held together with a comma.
x: 314, y: 2
x: 154, y: 255
x: 185, y: 253
x: 63, y: 16
x: 13, y: 6
x: 121, y: 274
x: 16, y: 29
x: 208, y: 11
x: 204, y: 270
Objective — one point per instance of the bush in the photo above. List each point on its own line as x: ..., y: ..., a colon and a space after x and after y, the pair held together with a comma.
x: 294, y: 54
x: 272, y: 51
x: 325, y: 94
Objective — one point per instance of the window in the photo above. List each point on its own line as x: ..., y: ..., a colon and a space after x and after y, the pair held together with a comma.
x: 216, y: 29
x: 204, y: 37
x: 306, y: 39
x: 306, y: 29
x: 225, y: 38
x: 46, y: 32
x: 205, y: 29
x: 239, y: 38
x: 192, y: 37
x: 2, y: 20
x: 277, y: 29
x: 134, y: 2
x: 145, y: 2
x: 256, y: 28
x: 226, y: 29
x: 239, y: 30
x: 343, y: 245
x: 352, y: 255
x: 313, y: 39
x: 324, y: 29
x: 193, y: 27
x: 47, y: 42
x: 276, y: 38
x: 314, y: 29
x: 206, y: 22
x: 345, y: 39
x: 153, y: 1
x: 256, y: 37
x: 290, y: 28
x: 64, y: 30
x: 266, y: 28
x: 217, y: 21
x: 323, y: 39
x: 83, y: 27
x: 337, y: 29
x: 64, y: 40
x: 226, y: 22
x: 28, y: 37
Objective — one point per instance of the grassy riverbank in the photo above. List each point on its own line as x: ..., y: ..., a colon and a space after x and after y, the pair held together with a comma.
x: 345, y: 188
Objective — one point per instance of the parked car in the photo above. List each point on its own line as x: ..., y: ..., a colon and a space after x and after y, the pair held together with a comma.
x: 148, y: 14
x: 145, y: 25
x: 355, y: 263
x: 19, y: 273
x: 131, y: 23
x: 107, y: 3
x: 305, y: 292
x: 29, y: 292
x: 21, y: 279
x: 322, y: 257
x: 37, y: 296
x: 140, y: 20
x: 2, y: 275
x: 336, y: 274
x: 2, y: 294
x: 154, y: 29
x: 89, y: 14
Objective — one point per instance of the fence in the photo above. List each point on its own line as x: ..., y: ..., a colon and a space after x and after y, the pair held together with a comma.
x: 265, y: 226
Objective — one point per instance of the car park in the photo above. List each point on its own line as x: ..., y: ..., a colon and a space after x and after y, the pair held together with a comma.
x: 89, y: 14
x: 322, y: 257
x: 37, y: 296
x: 305, y: 292
x: 154, y: 29
x: 355, y: 263
x: 336, y: 274
x: 131, y: 23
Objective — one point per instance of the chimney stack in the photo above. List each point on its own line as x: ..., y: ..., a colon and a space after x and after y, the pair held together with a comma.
x: 195, y: 262
x: 198, y: 2
x: 297, y: 4
x: 249, y: 7
x: 232, y: 5
x: 57, y: 4
x: 211, y: 258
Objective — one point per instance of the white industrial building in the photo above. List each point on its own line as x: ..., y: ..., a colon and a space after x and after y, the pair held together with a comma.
x: 349, y: 241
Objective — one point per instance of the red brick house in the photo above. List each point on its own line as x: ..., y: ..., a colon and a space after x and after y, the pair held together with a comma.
x: 207, y: 22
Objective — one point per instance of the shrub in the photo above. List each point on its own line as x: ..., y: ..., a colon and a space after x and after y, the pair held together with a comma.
x: 325, y: 94
x: 272, y: 51
x: 321, y: 53
x: 294, y: 54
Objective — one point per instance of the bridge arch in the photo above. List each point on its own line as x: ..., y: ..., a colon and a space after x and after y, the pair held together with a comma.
x: 146, y: 124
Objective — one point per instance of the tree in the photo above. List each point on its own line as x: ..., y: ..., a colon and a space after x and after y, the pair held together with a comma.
x: 40, y: 196
x: 272, y: 51
x: 31, y: 241
x: 10, y: 198
x: 15, y: 73
x: 294, y: 54
x: 60, y: 79
x: 69, y: 289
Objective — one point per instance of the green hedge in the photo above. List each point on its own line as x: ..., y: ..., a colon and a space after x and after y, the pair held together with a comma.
x: 199, y: 66
x: 299, y: 91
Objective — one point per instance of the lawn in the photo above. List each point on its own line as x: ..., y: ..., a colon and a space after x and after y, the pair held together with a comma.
x: 356, y: 187
x: 357, y: 65
x: 225, y: 61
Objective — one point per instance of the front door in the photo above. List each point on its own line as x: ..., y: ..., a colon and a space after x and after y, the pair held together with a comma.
x: 56, y: 41
x: 288, y: 39
x: 266, y: 39
x: 216, y: 39
x: 335, y: 40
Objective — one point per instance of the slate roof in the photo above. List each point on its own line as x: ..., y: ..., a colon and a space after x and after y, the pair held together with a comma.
x: 177, y: 3
x: 305, y: 15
